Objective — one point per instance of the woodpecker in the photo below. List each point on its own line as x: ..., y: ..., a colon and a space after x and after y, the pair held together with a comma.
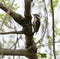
x: 36, y: 22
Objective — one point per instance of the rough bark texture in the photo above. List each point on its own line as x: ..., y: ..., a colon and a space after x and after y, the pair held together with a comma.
x: 27, y: 29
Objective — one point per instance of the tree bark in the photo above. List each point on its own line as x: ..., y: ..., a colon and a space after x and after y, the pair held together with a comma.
x: 27, y: 28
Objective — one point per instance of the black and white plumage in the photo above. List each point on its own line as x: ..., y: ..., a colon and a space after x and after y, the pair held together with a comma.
x: 36, y: 22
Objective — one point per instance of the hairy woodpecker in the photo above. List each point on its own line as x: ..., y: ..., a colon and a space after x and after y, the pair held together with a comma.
x: 36, y: 22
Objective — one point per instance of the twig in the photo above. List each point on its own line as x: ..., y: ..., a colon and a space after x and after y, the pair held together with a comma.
x: 53, y: 29
x: 13, y: 32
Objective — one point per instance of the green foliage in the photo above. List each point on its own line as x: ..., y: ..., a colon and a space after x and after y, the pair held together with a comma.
x: 6, y: 2
x: 7, y: 24
x: 50, y: 41
x: 57, y: 52
x: 1, y: 29
x: 0, y: 45
x: 34, y: 39
x: 55, y: 2
x: 2, y: 0
x: 9, y: 43
x: 6, y: 21
x: 1, y: 17
x: 57, y: 31
x: 40, y: 2
x: 15, y: 6
x: 41, y: 55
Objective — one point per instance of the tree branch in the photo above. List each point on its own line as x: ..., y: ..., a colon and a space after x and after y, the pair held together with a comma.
x: 18, y: 18
x: 14, y: 32
x: 16, y: 52
x: 53, y: 29
x: 28, y: 8
x: 13, y: 52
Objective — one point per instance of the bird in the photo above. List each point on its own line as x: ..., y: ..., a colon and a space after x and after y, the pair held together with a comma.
x: 36, y: 22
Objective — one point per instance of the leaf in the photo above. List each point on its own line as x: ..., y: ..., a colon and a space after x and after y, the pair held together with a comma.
x: 7, y: 24
x: 1, y: 15
x: 41, y: 55
x: 55, y: 2
x: 1, y: 29
x: 16, y: 4
x: 2, y: 0
x: 1, y: 20
x: 7, y: 4
x: 50, y: 41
